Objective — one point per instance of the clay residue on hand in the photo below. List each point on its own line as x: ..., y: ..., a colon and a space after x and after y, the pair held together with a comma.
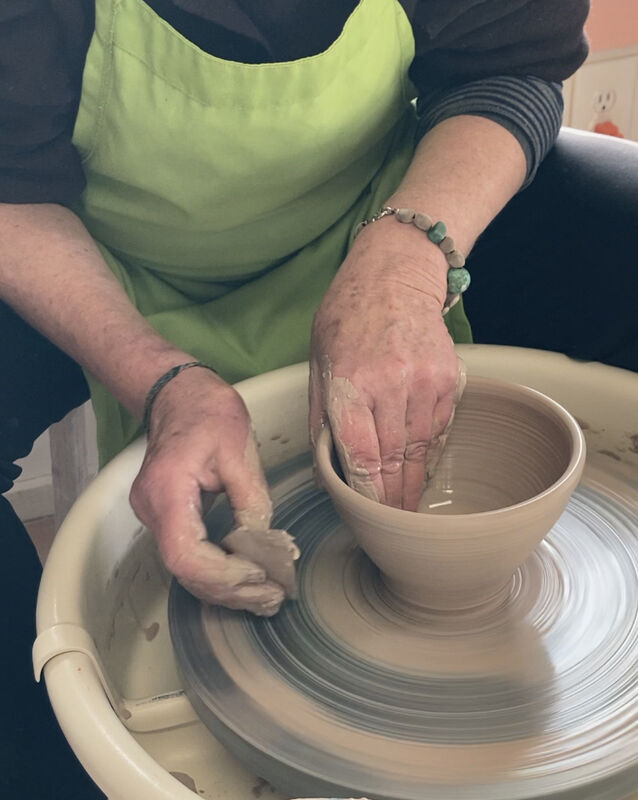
x: 343, y: 393
x: 258, y: 513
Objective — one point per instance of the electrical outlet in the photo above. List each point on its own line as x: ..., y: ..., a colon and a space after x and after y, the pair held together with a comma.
x: 604, y: 101
x: 605, y: 91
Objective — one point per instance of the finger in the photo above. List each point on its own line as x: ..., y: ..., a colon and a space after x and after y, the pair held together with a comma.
x: 246, y: 488
x: 461, y: 379
x: 390, y: 421
x: 316, y: 414
x: 419, y: 423
x: 263, y: 599
x: 169, y: 505
x: 355, y: 437
x: 183, y: 542
x: 221, y: 579
x: 202, y: 567
x: 443, y: 418
x: 205, y: 563
x: 442, y: 421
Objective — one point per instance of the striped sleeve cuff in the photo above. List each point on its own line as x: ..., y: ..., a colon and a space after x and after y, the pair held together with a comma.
x: 530, y: 108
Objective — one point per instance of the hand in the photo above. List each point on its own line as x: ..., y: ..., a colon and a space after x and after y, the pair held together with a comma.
x: 201, y: 440
x: 383, y: 369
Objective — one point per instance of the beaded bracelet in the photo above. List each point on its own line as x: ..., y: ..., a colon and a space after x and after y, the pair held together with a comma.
x: 160, y: 383
x: 458, y: 278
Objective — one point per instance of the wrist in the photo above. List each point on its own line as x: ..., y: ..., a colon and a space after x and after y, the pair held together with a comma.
x: 424, y: 263
x: 162, y: 382
x: 438, y: 265
x: 141, y: 369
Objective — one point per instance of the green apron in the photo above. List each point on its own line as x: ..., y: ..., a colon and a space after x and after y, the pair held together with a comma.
x: 224, y: 195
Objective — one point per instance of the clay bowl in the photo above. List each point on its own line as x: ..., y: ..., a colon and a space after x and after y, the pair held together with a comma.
x: 512, y: 460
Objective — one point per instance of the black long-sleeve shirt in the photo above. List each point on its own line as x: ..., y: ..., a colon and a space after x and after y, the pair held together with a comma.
x: 502, y: 59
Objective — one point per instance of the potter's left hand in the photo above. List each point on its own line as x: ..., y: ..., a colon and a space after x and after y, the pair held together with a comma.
x: 383, y: 367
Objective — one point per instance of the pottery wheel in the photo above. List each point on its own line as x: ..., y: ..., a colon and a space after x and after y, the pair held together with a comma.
x: 345, y: 694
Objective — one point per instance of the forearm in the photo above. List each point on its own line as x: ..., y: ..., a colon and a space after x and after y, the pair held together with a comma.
x: 531, y: 109
x: 52, y: 274
x: 463, y: 172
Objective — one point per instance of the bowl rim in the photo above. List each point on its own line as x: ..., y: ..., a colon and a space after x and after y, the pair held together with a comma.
x: 329, y: 479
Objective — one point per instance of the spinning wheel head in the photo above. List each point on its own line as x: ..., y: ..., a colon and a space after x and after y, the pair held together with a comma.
x: 348, y: 692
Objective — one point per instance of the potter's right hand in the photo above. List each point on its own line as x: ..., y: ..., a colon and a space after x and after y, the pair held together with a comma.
x: 383, y: 371
x: 201, y: 440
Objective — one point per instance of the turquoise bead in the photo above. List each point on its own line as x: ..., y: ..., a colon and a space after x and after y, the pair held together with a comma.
x: 437, y: 232
x: 457, y: 280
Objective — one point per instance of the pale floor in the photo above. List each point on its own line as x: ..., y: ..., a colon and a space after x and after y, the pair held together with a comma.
x: 42, y: 532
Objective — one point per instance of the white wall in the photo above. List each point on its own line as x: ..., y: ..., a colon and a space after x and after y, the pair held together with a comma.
x: 610, y: 74
x: 32, y: 494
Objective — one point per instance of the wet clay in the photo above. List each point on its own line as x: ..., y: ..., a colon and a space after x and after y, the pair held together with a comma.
x: 610, y: 454
x: 349, y: 692
x: 273, y: 550
x: 186, y: 780
x: 256, y: 514
x: 342, y: 395
x: 151, y: 631
x: 260, y: 787
x: 512, y: 460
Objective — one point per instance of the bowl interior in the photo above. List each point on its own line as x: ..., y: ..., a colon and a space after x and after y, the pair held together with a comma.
x: 507, y: 444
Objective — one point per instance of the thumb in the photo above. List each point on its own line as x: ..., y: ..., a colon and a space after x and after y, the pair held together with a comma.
x: 246, y: 487
x: 316, y: 416
x: 461, y: 379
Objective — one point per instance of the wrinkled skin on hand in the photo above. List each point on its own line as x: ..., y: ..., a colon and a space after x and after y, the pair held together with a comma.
x: 201, y: 441
x: 384, y: 373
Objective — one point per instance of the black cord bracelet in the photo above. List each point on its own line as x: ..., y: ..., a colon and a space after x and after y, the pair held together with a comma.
x: 160, y: 383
